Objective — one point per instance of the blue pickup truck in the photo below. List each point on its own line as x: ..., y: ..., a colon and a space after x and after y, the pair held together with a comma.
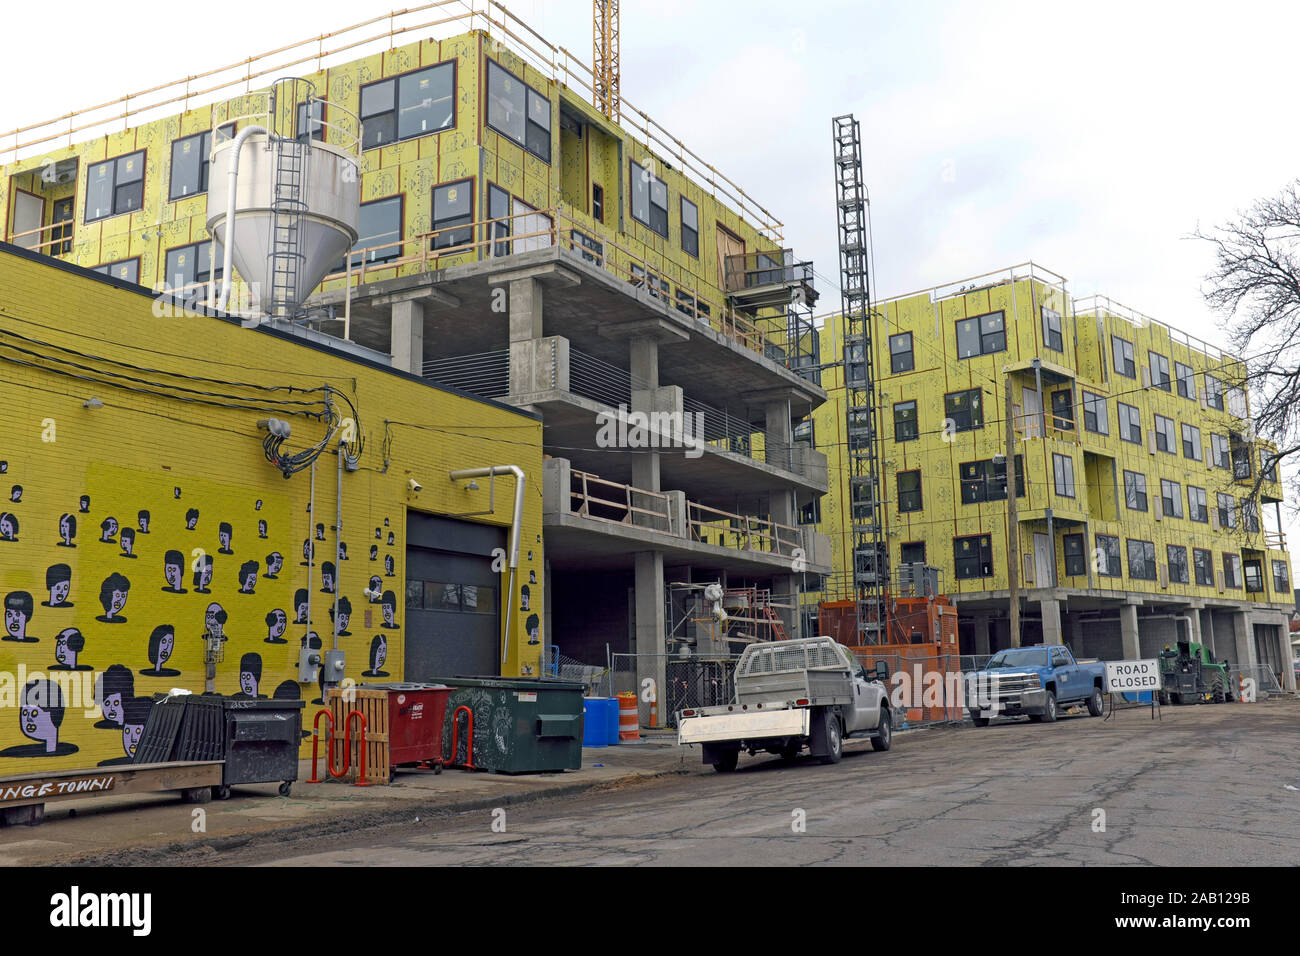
x: 1034, y: 681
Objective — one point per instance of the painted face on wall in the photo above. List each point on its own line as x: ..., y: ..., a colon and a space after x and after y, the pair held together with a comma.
x: 165, y: 645
x: 343, y: 621
x: 376, y: 586
x: 388, y: 565
x: 143, y: 518
x: 59, y: 593
x: 248, y: 683
x: 84, y: 504
x: 308, y: 550
x: 131, y: 734
x: 38, y: 724
x: 16, y: 493
x: 108, y: 530
x: 66, y: 531
x: 16, y: 624
x: 301, y: 612
x: 374, y: 552
x: 191, y: 519
x: 117, y: 601
x: 62, y: 653
x: 7, y: 529
x: 279, y: 624
x: 174, y: 574
x: 261, y: 529
x: 274, y: 562
x: 212, y: 618
x: 128, y: 542
x: 381, y: 652
x: 389, y: 614
x: 112, y: 708
x: 223, y: 538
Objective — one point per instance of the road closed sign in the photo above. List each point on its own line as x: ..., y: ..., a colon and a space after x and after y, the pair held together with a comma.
x: 1123, y: 677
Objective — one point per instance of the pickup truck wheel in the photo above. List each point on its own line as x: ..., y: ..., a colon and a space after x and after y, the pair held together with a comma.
x: 1095, y: 703
x: 727, y: 760
x: 884, y: 738
x: 1049, y: 709
x: 834, y: 739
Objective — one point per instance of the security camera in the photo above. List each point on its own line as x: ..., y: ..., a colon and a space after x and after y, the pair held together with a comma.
x: 415, y: 486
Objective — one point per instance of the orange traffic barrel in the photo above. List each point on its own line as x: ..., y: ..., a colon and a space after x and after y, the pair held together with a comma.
x: 628, y: 723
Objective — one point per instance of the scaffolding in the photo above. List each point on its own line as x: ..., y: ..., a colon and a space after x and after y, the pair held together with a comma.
x: 870, y: 556
x: 753, y: 615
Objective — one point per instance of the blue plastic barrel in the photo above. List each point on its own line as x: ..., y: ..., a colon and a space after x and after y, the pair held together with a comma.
x: 600, y: 721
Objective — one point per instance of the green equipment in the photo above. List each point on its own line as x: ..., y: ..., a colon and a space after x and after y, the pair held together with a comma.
x: 1190, y: 676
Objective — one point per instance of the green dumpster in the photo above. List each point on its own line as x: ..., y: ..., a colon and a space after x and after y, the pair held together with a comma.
x: 521, y: 724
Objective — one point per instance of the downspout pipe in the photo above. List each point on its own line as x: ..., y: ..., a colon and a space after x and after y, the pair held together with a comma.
x: 232, y: 177
x: 516, y: 522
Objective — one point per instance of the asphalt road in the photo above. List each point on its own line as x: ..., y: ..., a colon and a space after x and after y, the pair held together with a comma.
x: 1205, y: 785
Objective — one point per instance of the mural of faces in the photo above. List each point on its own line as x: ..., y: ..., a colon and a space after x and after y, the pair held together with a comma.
x: 391, y: 539
x: 389, y: 566
x: 250, y: 673
x: 378, y: 655
x: 67, y: 530
x: 261, y: 529
x: 68, y: 645
x: 344, y: 615
x: 327, y: 577
x: 203, y: 576
x: 308, y: 553
x: 16, y: 493
x: 320, y: 532
x: 84, y: 505
x: 343, y: 551
x: 376, y: 586
x: 108, y: 530
x: 143, y: 520
x: 277, y: 622
x: 533, y: 626
x: 214, y: 620
x: 8, y: 526
x: 224, y: 534
x: 247, y: 577
x: 162, y: 642
x: 135, y: 714
x: 274, y: 562
x: 128, y: 543
x: 388, y: 607
x: 58, y: 581
x: 174, y: 572
x: 18, y: 612
x: 112, y: 598
x: 374, y: 552
x: 39, y: 717
x: 300, y: 606
x: 114, y: 686
x: 191, y: 519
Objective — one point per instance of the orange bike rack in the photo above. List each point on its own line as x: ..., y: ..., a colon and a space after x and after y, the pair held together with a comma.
x: 347, y: 747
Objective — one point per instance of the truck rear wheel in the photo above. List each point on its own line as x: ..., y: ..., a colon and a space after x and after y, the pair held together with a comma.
x: 834, y: 739
x: 726, y: 761
x: 1049, y: 709
x: 1095, y: 703
x: 884, y: 738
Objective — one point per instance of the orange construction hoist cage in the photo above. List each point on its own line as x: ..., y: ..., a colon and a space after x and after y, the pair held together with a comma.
x: 922, y: 636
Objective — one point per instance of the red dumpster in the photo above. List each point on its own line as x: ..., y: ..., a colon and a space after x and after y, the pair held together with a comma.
x: 415, y: 717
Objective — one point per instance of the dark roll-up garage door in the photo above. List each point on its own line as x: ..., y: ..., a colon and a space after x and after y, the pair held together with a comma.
x: 453, y: 598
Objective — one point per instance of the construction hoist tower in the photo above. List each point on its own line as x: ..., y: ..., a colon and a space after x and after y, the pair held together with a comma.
x: 870, y: 554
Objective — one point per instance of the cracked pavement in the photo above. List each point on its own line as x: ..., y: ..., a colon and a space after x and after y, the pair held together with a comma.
x: 1206, y: 785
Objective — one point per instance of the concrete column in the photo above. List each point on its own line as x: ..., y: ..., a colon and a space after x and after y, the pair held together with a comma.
x: 785, y: 589
x: 1051, y: 621
x: 1243, y: 632
x: 525, y: 310
x: 651, y: 633
x: 1128, y: 630
x: 1207, y: 629
x: 408, y: 337
x: 1286, y: 655
x: 982, y: 623
x: 643, y: 362
x: 780, y: 434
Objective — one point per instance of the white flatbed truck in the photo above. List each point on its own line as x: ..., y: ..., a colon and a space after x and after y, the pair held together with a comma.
x: 809, y: 692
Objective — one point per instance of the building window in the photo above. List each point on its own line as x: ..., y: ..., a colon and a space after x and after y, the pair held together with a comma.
x: 313, y: 126
x: 1094, y: 414
x: 1159, y: 366
x: 1240, y: 452
x: 519, y: 113
x: 1197, y: 504
x: 453, y: 211
x: 1237, y: 403
x: 1135, y: 491
x: 649, y: 199
x: 1076, y: 561
x: 1192, y: 442
x: 1267, y: 465
x: 1254, y: 576
x: 1249, y: 516
x: 1227, y: 512
x: 909, y: 491
x: 1141, y: 560
x: 1052, y: 336
x: 1108, y: 556
x: 1203, y: 565
x: 115, y: 187
x: 690, y: 228
x: 913, y: 552
x: 1130, y: 423
x: 128, y: 270
x: 1219, y: 452
x: 598, y: 202
x: 1165, y: 435
x: 1063, y: 472
x: 905, y: 424
x: 1186, y: 379
x: 900, y: 352
x: 811, y: 513
x: 1213, y: 392
x: 1177, y: 557
x: 593, y: 250
x: 973, y: 556
x: 190, y: 265
x: 1281, y: 578
x: 1122, y: 352
x: 414, y: 104
x: 1063, y: 410
x: 981, y: 335
x: 1231, y: 570
x: 987, y: 480
x: 379, y: 224
x: 1171, y: 498
x: 190, y: 163
x: 965, y: 409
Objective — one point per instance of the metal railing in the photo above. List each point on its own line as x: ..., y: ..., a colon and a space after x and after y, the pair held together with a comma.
x: 741, y: 532
x: 485, y: 373
x: 364, y: 38
x: 593, y: 497
x: 601, y: 381
x: 752, y: 270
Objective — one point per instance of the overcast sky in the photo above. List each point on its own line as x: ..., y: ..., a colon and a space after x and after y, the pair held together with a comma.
x: 1090, y: 137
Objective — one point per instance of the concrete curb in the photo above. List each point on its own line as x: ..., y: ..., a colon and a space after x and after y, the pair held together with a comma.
x: 381, y: 814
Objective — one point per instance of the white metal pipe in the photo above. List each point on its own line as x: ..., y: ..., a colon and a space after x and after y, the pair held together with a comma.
x: 338, y: 532
x: 516, y: 521
x: 227, y: 247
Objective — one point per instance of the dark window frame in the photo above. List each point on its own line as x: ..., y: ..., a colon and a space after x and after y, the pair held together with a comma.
x: 1147, y: 563
x: 215, y: 271
x: 1198, y: 504
x: 369, y: 119
x: 915, y: 499
x: 363, y: 254
x: 1171, y: 498
x: 1074, y: 550
x: 1053, y: 329
x: 982, y: 557
x: 975, y: 400
x: 658, y: 224
x: 448, y: 239
x: 1180, y: 565
x: 1061, y: 465
x: 1194, y: 442
x: 982, y: 336
x: 1185, y: 377
x: 1133, y: 493
x: 896, y: 364
x: 1213, y: 393
x: 1281, y: 577
x: 1091, y: 403
x: 915, y: 422
x: 106, y: 268
x: 548, y: 130
x: 1203, y: 567
x: 986, y: 480
x: 1163, y: 380
x: 1123, y: 358
x: 1231, y: 570
x: 687, y: 230
x: 117, y: 186
x: 1167, y: 443
x: 1108, y: 545
x: 1129, y: 423
x: 902, y: 552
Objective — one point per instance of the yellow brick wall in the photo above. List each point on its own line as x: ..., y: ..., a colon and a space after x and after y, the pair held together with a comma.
x: 167, y: 456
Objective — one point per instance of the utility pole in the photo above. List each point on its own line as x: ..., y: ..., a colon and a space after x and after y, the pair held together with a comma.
x: 1013, y: 523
